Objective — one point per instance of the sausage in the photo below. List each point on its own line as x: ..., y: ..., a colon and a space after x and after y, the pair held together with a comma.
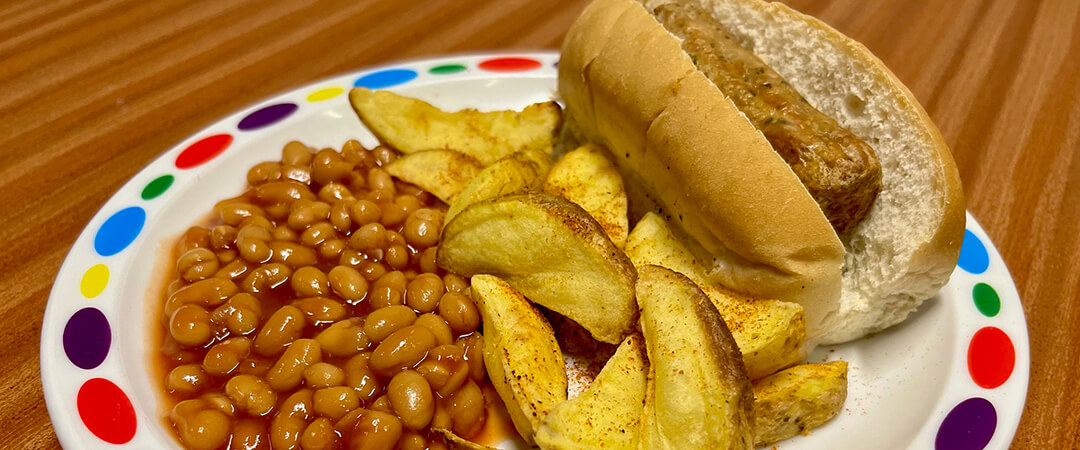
x: 839, y: 169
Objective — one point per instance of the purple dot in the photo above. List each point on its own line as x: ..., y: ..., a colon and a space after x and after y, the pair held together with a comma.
x: 87, y: 337
x: 267, y: 116
x: 969, y: 425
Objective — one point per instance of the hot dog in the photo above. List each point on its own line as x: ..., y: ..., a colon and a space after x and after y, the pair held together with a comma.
x: 794, y: 161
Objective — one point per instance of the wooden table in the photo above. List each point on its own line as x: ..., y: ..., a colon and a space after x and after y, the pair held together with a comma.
x: 90, y: 92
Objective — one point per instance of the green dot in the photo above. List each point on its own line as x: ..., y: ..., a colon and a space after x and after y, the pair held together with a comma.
x: 157, y: 187
x: 447, y: 69
x: 986, y: 299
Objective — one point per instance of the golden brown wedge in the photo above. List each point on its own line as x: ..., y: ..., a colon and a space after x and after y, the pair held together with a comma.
x: 606, y: 415
x: 698, y: 395
x: 523, y: 359
x: 550, y: 250
x: 589, y: 177
x: 797, y: 400
x: 411, y: 125
x: 770, y: 333
x: 443, y: 173
x: 524, y: 170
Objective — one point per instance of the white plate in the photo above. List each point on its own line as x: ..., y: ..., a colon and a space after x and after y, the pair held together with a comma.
x: 953, y: 376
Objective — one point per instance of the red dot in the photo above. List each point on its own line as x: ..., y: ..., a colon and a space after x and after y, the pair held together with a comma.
x: 203, y: 150
x: 510, y: 64
x: 991, y: 357
x: 106, y: 411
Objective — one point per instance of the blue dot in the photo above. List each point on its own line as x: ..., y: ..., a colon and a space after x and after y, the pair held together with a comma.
x: 973, y: 256
x: 385, y: 78
x: 119, y: 230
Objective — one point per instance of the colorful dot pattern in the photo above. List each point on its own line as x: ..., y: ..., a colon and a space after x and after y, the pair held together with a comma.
x: 991, y: 360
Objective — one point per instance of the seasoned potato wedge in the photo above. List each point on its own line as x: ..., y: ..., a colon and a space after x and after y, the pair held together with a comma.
x: 455, y: 442
x: 697, y: 395
x: 606, y: 415
x: 444, y: 173
x: 550, y: 250
x: 412, y: 125
x: 770, y: 333
x: 589, y: 177
x: 522, y: 357
x: 798, y: 399
x: 524, y: 170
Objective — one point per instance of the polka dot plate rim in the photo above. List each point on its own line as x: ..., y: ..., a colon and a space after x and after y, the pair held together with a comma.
x: 939, y: 380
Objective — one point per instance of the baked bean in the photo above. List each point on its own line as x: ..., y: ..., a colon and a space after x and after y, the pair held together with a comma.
x: 174, y: 286
x: 304, y: 213
x: 403, y: 348
x: 206, y: 293
x: 220, y: 402
x: 253, y: 249
x: 266, y: 277
x: 340, y: 218
x: 369, y: 237
x: 249, y: 434
x: 335, y: 402
x: 438, y: 327
x: 384, y: 155
x: 260, y: 173
x: 256, y: 221
x: 317, y: 234
x: 222, y: 358
x: 234, y: 212
x: 278, y: 211
x: 283, y: 233
x: 321, y: 310
x: 396, y: 256
x: 299, y: 174
x: 234, y: 270
x: 255, y: 230
x: 442, y: 419
x: 194, y: 237
x: 467, y: 409
x: 190, y: 326
x: 408, y: 203
x: 186, y: 379
x: 351, y: 258
x: 412, y: 400
x: 321, y: 375
x: 329, y: 166
x: 393, y: 215
x: 352, y: 151
x: 382, y: 404
x: 358, y: 375
x: 255, y: 366
x: 423, y: 227
x: 445, y: 369
x: 331, y: 249
x: 200, y: 426
x: 332, y: 192
x: 288, y: 371
x: 283, y: 327
x: 372, y: 270
x: 226, y: 256
x: 222, y: 236
x: 251, y: 394
x: 296, y: 153
x: 344, y: 338
x: 375, y: 430
x: 424, y: 292
x: 395, y: 238
x: 381, y: 181
x: 474, y: 354
x: 388, y: 290
x: 298, y: 405
x: 240, y: 315
x: 197, y: 264
x: 292, y: 254
x: 384, y: 321
x: 363, y: 212
x: 348, y: 284
x: 319, y: 435
x: 309, y: 282
x: 412, y: 441
x: 281, y: 192
x: 291, y: 420
x: 427, y: 260
x: 455, y: 283
x: 460, y: 312
x: 436, y: 445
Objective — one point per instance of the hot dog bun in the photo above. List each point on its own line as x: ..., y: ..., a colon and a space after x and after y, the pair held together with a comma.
x: 683, y: 145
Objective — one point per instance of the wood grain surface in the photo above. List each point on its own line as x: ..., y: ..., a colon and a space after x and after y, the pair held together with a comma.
x: 91, y: 91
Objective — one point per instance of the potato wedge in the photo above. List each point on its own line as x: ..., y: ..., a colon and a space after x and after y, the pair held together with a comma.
x: 770, y: 333
x: 524, y: 170
x: 411, y: 125
x: 550, y: 250
x: 697, y: 395
x: 523, y: 359
x: 444, y: 173
x: 606, y: 415
x: 589, y: 177
x: 455, y: 442
x: 797, y: 400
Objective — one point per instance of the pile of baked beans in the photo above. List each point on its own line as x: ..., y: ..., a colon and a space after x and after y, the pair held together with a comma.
x: 311, y: 314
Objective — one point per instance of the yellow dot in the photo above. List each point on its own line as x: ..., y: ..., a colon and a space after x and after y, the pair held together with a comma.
x: 325, y: 94
x: 94, y: 281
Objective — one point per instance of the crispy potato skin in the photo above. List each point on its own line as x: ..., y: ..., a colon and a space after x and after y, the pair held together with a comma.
x: 606, y: 416
x: 797, y: 400
x: 589, y: 177
x: 444, y: 173
x: 697, y: 394
x: 412, y: 125
x: 455, y: 442
x: 521, y: 354
x: 550, y: 250
x: 770, y: 333
x: 521, y: 171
